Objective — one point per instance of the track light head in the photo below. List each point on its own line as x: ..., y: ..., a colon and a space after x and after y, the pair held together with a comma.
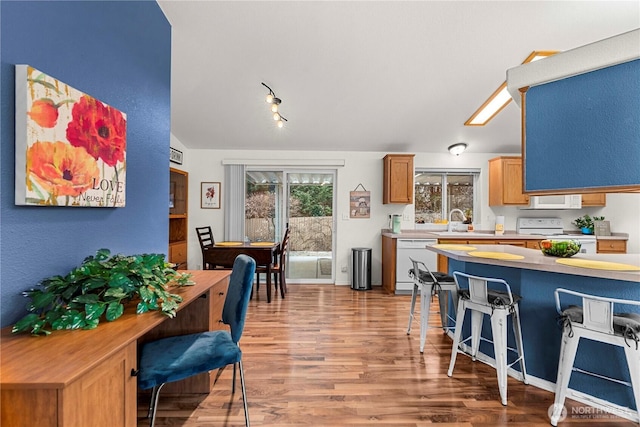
x: 275, y: 102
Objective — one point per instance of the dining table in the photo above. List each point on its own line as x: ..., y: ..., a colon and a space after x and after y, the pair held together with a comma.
x: 223, y: 254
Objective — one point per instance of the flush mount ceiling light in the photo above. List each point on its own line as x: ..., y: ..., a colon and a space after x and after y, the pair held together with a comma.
x: 275, y: 106
x: 457, y: 149
x: 500, y: 98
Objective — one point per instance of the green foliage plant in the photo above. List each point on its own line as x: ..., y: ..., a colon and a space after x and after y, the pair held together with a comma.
x: 101, y: 285
x: 587, y: 222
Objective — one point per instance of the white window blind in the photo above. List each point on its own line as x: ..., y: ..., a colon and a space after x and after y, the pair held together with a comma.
x: 234, y: 185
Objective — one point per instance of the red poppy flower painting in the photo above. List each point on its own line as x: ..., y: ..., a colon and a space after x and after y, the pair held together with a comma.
x: 100, y: 129
x: 70, y: 147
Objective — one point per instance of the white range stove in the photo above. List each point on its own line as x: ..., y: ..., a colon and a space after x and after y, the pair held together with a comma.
x: 553, y: 228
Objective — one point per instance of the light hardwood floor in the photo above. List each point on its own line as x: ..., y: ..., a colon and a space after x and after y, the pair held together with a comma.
x: 331, y: 356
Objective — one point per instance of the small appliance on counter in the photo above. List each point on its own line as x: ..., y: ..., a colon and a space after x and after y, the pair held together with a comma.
x: 553, y: 229
x: 395, y: 221
x: 499, y: 225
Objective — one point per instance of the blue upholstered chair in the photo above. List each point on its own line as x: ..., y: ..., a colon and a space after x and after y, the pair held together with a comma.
x: 175, y: 358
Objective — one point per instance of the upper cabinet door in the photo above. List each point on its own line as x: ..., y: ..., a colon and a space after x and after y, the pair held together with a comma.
x: 505, y: 182
x: 398, y: 179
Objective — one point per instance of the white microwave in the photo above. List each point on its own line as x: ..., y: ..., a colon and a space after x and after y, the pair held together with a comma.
x: 561, y: 201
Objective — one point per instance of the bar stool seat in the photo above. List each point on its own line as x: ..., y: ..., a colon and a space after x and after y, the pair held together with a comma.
x: 430, y: 283
x: 595, y: 319
x: 498, y: 304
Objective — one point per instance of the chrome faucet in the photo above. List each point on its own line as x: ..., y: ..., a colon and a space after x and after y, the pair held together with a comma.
x: 450, y: 226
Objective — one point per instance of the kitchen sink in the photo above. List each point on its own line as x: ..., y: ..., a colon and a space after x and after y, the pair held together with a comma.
x: 461, y: 233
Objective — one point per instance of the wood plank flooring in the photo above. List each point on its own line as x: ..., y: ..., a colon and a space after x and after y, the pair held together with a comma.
x: 331, y: 356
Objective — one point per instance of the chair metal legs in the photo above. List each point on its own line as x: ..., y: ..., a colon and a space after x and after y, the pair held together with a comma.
x: 244, y: 393
x: 456, y: 338
x: 499, y: 332
x: 499, y: 336
x: 565, y: 365
x: 155, y: 393
x: 425, y: 307
x: 153, y: 404
x: 412, y: 310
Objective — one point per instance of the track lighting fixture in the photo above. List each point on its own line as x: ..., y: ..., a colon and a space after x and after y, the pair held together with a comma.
x: 275, y: 106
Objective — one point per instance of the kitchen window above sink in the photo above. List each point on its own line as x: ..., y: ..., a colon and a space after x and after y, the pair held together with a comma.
x: 438, y: 192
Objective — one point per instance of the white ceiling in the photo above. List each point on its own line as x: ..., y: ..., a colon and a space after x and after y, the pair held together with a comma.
x: 384, y: 76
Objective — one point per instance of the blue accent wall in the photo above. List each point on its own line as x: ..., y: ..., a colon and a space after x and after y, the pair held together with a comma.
x: 120, y: 53
x: 584, y: 131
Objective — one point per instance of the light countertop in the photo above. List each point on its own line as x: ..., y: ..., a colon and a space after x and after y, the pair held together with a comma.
x: 482, y: 234
x: 535, y: 260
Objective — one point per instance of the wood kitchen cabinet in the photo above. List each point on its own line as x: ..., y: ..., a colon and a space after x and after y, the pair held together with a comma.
x: 594, y: 199
x: 178, y: 207
x: 505, y: 182
x: 521, y: 243
x: 388, y: 264
x: 505, y: 185
x: 611, y: 246
x: 398, y: 179
x: 533, y: 244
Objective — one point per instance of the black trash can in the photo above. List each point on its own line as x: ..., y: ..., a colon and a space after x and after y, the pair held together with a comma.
x: 361, y: 269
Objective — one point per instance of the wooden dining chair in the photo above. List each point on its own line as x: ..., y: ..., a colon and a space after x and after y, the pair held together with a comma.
x: 278, y: 268
x: 205, y: 237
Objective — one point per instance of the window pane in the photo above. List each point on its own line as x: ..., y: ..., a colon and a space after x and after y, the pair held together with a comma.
x: 428, y: 197
x: 431, y: 207
x: 460, y: 195
x: 264, y: 190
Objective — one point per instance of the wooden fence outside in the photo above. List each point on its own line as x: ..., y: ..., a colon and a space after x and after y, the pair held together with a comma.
x: 307, y: 233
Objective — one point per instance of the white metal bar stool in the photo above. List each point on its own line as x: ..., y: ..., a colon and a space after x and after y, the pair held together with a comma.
x: 596, y: 320
x: 498, y: 304
x: 430, y: 284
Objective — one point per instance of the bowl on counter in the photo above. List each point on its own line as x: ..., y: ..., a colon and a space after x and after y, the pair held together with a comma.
x: 560, y: 248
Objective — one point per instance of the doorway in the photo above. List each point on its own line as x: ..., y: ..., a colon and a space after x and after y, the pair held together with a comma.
x: 304, y: 200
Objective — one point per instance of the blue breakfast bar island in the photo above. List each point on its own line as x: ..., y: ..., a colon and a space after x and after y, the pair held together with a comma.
x: 535, y: 277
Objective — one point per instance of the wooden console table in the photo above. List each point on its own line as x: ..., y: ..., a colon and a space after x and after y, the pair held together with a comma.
x: 84, y: 378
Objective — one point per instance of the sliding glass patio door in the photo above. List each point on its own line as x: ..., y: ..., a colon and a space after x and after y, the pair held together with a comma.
x: 303, y: 199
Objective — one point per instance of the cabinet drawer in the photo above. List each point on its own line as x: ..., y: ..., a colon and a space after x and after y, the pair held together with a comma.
x: 533, y: 244
x: 617, y: 246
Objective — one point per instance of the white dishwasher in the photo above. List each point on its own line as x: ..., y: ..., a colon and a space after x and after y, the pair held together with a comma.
x: 414, y: 248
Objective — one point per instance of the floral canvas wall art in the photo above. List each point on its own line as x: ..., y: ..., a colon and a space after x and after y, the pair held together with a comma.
x: 70, y: 147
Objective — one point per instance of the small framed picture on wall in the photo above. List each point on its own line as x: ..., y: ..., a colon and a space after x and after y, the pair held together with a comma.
x: 210, y: 195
